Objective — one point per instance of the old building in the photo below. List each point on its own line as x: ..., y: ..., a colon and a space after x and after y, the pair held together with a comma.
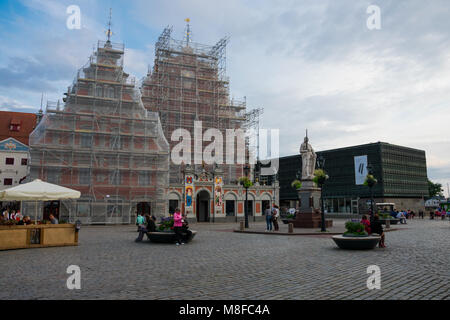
x: 401, y: 173
x: 104, y: 143
x: 15, y: 128
x: 188, y: 86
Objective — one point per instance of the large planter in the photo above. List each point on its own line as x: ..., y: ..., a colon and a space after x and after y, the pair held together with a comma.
x: 287, y: 221
x: 392, y: 221
x: 356, y: 243
x: 169, y: 236
x: 38, y: 236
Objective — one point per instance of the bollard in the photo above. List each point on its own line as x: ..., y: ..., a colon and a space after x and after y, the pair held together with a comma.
x: 241, y: 225
x: 388, y: 223
x: 291, y: 227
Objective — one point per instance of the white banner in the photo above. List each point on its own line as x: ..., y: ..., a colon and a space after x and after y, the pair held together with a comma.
x: 360, y: 169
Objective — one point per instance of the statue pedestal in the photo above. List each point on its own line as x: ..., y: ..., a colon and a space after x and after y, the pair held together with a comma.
x: 309, y: 212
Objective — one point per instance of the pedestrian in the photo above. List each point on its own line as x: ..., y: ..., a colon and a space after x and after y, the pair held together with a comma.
x: 268, y: 214
x: 275, y: 216
x: 378, y: 229
x: 421, y: 213
x: 177, y: 226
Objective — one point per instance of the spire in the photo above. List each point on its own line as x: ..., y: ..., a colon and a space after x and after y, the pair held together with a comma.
x: 109, y: 32
x: 188, y: 32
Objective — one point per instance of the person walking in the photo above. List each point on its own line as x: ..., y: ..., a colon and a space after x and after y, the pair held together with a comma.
x: 268, y: 214
x: 378, y: 229
x: 421, y: 213
x: 177, y: 226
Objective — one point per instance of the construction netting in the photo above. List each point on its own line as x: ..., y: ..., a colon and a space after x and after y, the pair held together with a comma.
x: 104, y: 143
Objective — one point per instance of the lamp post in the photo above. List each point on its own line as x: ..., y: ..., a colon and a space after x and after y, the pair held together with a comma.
x: 213, y: 173
x: 371, y: 183
x: 321, y: 181
x: 246, y: 171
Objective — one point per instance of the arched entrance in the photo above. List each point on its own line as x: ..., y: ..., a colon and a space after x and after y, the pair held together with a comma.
x: 202, y: 206
x: 143, y: 208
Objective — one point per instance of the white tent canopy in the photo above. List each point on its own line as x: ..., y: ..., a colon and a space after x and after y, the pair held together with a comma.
x: 38, y: 190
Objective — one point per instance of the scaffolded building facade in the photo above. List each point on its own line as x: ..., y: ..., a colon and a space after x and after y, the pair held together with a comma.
x: 187, y: 84
x: 104, y: 143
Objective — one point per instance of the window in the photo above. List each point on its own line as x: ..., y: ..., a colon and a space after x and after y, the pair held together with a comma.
x: 84, y: 176
x: 9, y: 161
x: 7, y: 182
x: 14, y: 127
x: 144, y: 178
x: 86, y: 140
x: 24, y: 161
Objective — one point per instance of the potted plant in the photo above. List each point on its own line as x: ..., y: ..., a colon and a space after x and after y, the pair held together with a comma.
x: 355, y: 237
x: 165, y: 233
x: 387, y: 216
x: 320, y: 176
x: 296, y: 184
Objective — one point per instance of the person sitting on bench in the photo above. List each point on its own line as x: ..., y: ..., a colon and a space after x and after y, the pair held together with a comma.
x: 151, y: 227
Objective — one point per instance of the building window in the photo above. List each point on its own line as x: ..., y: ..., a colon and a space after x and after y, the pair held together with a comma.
x: 14, y: 127
x: 144, y: 178
x: 85, y: 176
x: 7, y: 182
x: 24, y: 161
x: 9, y: 161
x: 86, y: 140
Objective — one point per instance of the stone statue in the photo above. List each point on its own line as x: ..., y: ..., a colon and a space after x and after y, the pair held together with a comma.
x: 308, y: 159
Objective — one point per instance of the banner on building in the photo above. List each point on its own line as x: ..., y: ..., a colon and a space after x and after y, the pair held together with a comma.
x: 218, y: 194
x: 189, y: 191
x: 360, y: 169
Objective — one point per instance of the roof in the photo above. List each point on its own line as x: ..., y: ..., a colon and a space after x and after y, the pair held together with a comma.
x: 25, y: 121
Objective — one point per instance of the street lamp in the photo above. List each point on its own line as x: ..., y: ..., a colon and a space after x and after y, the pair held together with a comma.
x: 371, y: 181
x: 246, y: 172
x: 320, y: 182
x: 213, y: 173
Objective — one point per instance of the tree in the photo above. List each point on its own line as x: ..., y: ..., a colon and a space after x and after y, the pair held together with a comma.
x: 435, y: 189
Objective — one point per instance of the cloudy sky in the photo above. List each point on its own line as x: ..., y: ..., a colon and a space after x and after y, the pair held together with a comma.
x: 309, y: 64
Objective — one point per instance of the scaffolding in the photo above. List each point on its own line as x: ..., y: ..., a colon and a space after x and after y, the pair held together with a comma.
x: 188, y: 83
x: 104, y: 143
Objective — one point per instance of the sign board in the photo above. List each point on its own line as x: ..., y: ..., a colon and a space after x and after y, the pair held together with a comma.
x: 360, y: 169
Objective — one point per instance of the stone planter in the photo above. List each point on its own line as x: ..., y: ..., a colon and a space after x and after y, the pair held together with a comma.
x: 392, y: 221
x: 356, y: 242
x: 168, y: 236
x: 287, y: 221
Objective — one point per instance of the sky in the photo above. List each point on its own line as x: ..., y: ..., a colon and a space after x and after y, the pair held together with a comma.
x: 310, y: 64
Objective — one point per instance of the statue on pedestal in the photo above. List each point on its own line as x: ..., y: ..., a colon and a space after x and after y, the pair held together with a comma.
x: 308, y: 159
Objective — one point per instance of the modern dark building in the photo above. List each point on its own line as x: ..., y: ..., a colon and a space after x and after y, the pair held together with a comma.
x: 401, y: 173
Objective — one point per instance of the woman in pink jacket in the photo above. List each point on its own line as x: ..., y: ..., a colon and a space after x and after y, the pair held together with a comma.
x: 177, y: 224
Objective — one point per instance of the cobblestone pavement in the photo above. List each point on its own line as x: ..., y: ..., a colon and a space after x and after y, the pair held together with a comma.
x: 220, y: 264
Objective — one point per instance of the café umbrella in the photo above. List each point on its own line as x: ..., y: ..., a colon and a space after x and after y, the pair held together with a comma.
x: 38, y: 190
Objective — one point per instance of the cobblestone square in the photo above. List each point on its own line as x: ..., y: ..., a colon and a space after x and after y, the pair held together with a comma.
x: 221, y: 264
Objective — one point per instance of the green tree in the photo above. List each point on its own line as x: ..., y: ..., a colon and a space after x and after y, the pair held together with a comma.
x: 435, y: 189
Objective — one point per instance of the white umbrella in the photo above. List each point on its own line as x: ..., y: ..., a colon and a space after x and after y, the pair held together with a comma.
x: 38, y: 190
